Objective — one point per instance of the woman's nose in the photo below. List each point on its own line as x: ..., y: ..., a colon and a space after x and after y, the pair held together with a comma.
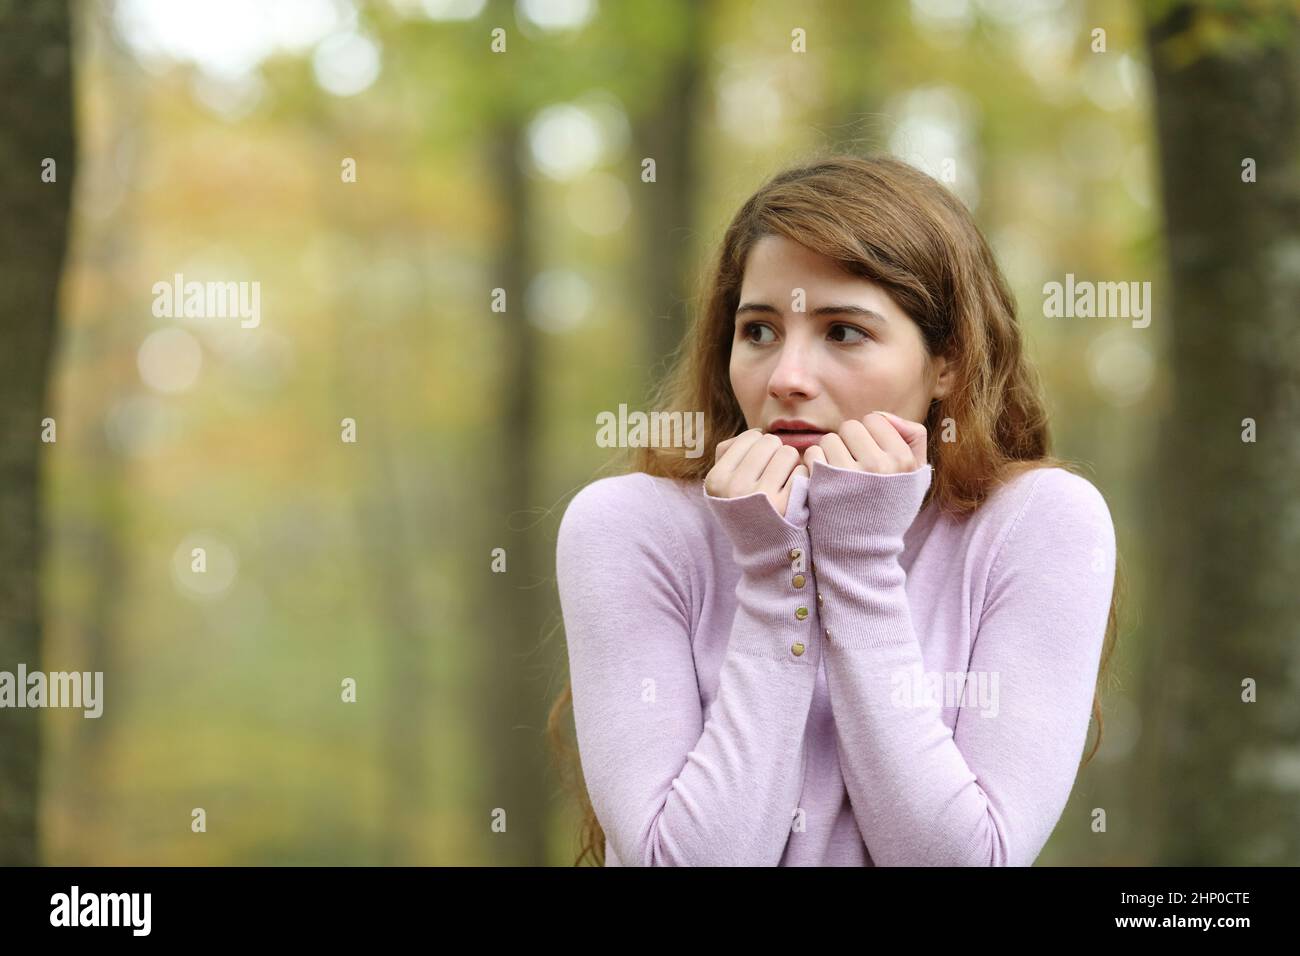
x: 794, y: 372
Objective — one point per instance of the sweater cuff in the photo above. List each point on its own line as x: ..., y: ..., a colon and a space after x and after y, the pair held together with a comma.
x: 760, y: 537
x: 773, y: 614
x: 863, y: 512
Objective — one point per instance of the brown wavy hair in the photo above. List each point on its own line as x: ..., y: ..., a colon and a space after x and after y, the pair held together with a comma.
x: 888, y: 222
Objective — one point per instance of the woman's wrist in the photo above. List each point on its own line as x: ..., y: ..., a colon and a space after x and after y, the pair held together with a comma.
x: 760, y: 537
x: 862, y: 512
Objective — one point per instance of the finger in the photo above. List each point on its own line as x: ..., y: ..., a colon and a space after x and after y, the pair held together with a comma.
x: 757, y: 453
x: 837, y: 453
x: 777, y: 469
x: 811, y: 454
x: 895, y: 455
x: 735, y: 452
x: 722, y: 447
x: 914, y: 433
x: 861, y: 445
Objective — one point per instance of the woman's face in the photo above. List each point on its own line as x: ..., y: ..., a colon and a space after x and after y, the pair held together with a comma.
x: 850, y: 350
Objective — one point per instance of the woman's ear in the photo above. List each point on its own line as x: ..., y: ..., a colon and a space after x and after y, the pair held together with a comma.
x: 945, y: 375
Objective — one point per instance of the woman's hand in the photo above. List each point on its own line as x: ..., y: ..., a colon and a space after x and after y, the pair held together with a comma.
x: 753, y: 461
x: 881, y: 442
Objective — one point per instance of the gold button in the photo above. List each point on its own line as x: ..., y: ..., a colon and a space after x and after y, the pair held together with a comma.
x: 795, y: 554
x: 819, y: 597
x: 828, y: 633
x: 797, y: 649
x: 798, y: 580
x: 801, y: 612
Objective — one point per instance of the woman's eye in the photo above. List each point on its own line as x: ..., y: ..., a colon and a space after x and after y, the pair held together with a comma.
x: 746, y: 333
x: 851, y: 328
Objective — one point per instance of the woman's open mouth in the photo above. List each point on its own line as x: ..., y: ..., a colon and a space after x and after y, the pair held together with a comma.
x: 798, y: 438
x: 796, y: 432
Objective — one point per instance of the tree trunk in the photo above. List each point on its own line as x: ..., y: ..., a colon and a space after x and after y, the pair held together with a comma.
x: 37, y: 119
x: 512, y: 713
x: 1222, y: 782
x: 667, y: 135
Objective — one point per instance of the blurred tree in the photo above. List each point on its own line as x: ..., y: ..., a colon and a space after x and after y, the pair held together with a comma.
x: 665, y: 131
x: 35, y: 197
x: 852, y: 118
x: 513, y: 762
x: 1221, y: 785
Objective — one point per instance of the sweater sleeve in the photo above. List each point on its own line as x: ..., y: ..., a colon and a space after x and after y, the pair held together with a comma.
x: 989, y: 792
x: 670, y: 785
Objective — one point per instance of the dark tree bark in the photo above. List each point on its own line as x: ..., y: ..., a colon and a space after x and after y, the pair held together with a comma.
x: 1220, y: 779
x: 667, y: 134
x: 512, y: 711
x: 36, y: 117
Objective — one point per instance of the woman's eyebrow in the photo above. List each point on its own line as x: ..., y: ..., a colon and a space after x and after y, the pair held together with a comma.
x: 824, y: 310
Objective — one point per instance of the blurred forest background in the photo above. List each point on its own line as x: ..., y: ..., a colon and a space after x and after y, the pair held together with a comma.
x: 210, y: 138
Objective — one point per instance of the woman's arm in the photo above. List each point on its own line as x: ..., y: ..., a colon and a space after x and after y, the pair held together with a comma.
x: 668, y: 786
x: 990, y: 792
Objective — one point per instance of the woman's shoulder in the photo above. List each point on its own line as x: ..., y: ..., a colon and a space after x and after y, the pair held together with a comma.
x: 619, y: 541
x: 1050, y: 504
x: 633, y: 505
x: 1048, y: 488
x: 633, y: 493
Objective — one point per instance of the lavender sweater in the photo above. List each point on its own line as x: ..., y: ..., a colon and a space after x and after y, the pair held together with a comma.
x: 750, y: 689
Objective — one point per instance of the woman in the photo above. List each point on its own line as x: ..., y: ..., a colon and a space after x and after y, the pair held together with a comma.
x: 865, y: 630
